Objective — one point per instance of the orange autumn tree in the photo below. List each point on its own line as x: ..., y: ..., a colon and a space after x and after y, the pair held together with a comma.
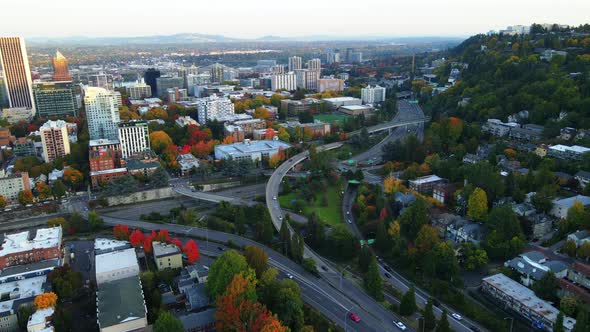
x: 239, y: 310
x: 159, y: 140
x: 269, y: 133
x: 45, y: 300
x: 73, y: 177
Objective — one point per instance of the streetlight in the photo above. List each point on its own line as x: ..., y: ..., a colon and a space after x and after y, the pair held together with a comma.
x: 342, y: 273
x: 511, y: 322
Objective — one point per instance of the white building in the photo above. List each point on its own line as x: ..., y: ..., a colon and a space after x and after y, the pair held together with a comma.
x: 498, y: 128
x: 286, y: 81
x: 372, y: 95
x: 40, y: 320
x: 294, y: 63
x: 213, y: 107
x: 116, y: 265
x: 183, y: 121
x: 314, y: 64
x: 139, y: 91
x: 567, y: 152
x: 307, y: 79
x: 561, y: 206
x: 55, y: 140
x: 254, y: 150
x: 187, y: 162
x: 10, y: 186
x: 102, y: 112
x: 134, y: 137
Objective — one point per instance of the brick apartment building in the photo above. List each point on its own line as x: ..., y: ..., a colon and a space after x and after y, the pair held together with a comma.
x: 30, y: 247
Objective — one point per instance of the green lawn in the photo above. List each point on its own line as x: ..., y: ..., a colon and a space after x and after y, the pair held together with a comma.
x: 330, y: 117
x: 330, y: 214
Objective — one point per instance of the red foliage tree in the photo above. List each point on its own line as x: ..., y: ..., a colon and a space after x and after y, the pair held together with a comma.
x: 136, y: 238
x: 176, y: 241
x: 269, y: 133
x: 147, y: 243
x: 163, y: 236
x: 121, y: 232
x: 192, y: 251
x: 185, y: 149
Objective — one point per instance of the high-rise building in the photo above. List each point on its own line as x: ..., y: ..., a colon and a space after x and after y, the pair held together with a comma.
x: 294, y: 63
x: 10, y: 186
x: 330, y: 84
x: 3, y: 92
x: 149, y: 78
x: 332, y: 57
x: 287, y: 81
x: 372, y: 95
x: 217, y: 73
x: 314, y: 64
x: 102, y: 113
x: 357, y: 57
x: 277, y: 69
x: 167, y: 82
x: 213, y: 107
x: 134, y: 137
x: 349, y: 52
x: 54, y: 138
x: 139, y: 91
x: 60, y: 68
x: 101, y: 80
x: 307, y: 79
x: 55, y: 99
x: 17, y: 74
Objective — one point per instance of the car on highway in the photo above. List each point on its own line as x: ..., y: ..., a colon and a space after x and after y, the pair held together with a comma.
x: 347, y: 212
x: 220, y: 248
x: 400, y: 325
x: 456, y: 316
x: 387, y: 268
x: 324, y: 268
x: 274, y: 197
x: 289, y: 275
x: 353, y: 317
x: 349, y: 221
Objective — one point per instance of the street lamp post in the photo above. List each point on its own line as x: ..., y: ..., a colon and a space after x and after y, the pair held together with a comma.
x: 511, y: 322
x: 342, y: 274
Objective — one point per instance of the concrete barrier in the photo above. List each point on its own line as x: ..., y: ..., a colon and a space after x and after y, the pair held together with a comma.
x: 142, y: 196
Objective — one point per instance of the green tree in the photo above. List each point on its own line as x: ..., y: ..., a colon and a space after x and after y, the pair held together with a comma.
x: 288, y: 305
x: 584, y: 250
x: 59, y: 189
x: 477, y: 207
x: 429, y: 318
x: 558, y: 326
x: 546, y: 287
x: 24, y: 312
x: 472, y: 258
x: 256, y: 259
x: 373, y: 281
x: 413, y: 218
x: 581, y: 322
x: 285, y: 236
x: 568, y: 304
x: 569, y: 248
x: 95, y: 221
x: 578, y: 216
x: 309, y: 265
x: 223, y: 271
x: 443, y: 323
x: 407, y: 304
x: 166, y: 322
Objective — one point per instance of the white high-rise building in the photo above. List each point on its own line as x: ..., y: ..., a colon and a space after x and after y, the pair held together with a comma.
x: 102, y: 113
x: 372, y: 95
x: 314, y: 64
x: 307, y: 79
x: 139, y: 91
x: 17, y: 85
x: 134, y: 137
x: 295, y: 63
x: 286, y: 81
x: 213, y: 107
x: 55, y: 141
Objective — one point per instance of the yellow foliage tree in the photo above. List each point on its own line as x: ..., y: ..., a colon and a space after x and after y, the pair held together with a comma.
x: 393, y: 230
x: 45, y: 300
x: 392, y: 185
x: 477, y: 206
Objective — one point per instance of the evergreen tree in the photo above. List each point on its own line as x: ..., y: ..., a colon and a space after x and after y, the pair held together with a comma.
x: 558, y: 326
x: 429, y: 318
x: 581, y: 321
x: 408, y: 305
x: 285, y: 236
x: 443, y: 323
x: 373, y: 281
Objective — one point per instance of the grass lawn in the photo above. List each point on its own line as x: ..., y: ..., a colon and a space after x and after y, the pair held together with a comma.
x: 330, y: 117
x: 330, y: 214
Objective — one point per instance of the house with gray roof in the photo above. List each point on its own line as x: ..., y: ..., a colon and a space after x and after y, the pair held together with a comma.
x: 203, y: 321
x: 532, y: 266
x: 583, y: 178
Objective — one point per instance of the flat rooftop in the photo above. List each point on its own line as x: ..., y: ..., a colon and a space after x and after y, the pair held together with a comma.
x: 40, y: 316
x: 104, y: 245
x: 162, y: 249
x: 21, y: 242
x: 120, y: 301
x: 102, y: 141
x: 251, y: 147
x: 116, y: 260
x: 340, y: 99
x: 427, y: 179
x: 21, y: 289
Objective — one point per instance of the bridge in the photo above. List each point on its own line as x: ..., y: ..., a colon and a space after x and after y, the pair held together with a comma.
x: 391, y: 124
x: 208, y: 197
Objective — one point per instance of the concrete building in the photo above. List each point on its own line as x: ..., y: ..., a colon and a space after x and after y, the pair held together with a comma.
x: 583, y: 178
x: 120, y: 305
x: 355, y: 110
x: 40, y: 321
x: 532, y: 266
x: 294, y: 107
x: 317, y: 127
x: 54, y: 137
x: 18, y: 84
x: 102, y: 113
x: 235, y: 132
x: 307, y: 79
x: 314, y: 64
x: 101, y: 80
x: 516, y: 297
x: 580, y: 274
x: 10, y: 186
x: 561, y: 206
x: 6, y: 137
x: 330, y: 84
x: 286, y: 81
x: 213, y: 107
x: 250, y: 125
x: 184, y: 121
x: 528, y: 132
x: 167, y: 256
x: 61, y: 72
x: 27, y: 247
x: 106, y: 162
x: 115, y: 265
x: 574, y: 152
x: 498, y: 128
x: 134, y: 137
x: 55, y: 99
x: 426, y: 183
x: 149, y: 77
x: 253, y: 150
x: 187, y: 163
x: 24, y: 147
x: 295, y: 63
x: 17, y: 114
x: 373, y: 95
x: 139, y: 91
x: 335, y: 103
x: 164, y: 83
x: 17, y: 293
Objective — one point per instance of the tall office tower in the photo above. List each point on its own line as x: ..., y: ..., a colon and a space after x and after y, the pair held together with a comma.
x: 287, y: 81
x: 3, y: 93
x: 213, y: 107
x: 332, y: 57
x: 349, y: 52
x: 314, y: 64
x: 134, y: 137
x: 307, y: 79
x: 101, y: 80
x: 55, y: 99
x: 17, y: 74
x: 372, y: 95
x: 294, y: 63
x: 139, y: 91
x: 167, y: 82
x: 150, y: 77
x: 102, y: 113
x: 357, y: 57
x: 54, y: 138
x: 60, y: 68
x: 217, y: 73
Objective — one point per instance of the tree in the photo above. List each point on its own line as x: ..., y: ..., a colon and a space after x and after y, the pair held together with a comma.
x: 429, y: 318
x: 373, y: 281
x: 136, y: 238
x: 65, y: 281
x: 159, y: 140
x: 166, y: 322
x: 43, y: 190
x: 59, y: 221
x: 407, y: 304
x: 413, y: 218
x: 223, y: 271
x: 94, y: 220
x: 581, y: 322
x: 558, y: 326
x: 25, y: 197
x: 443, y: 323
x: 284, y: 134
x: 569, y: 248
x: 578, y: 216
x: 256, y: 259
x: 121, y: 232
x: 159, y: 178
x: 73, y: 177
x: 477, y: 207
x: 288, y: 306
x: 59, y: 189
x: 24, y: 313
x: 584, y: 250
x: 45, y: 300
x: 568, y: 304
x: 269, y: 133
x: 392, y: 185
x: 472, y: 258
x: 546, y: 287
x: 426, y: 239
x: 3, y: 202
x: 147, y: 243
x: 192, y: 251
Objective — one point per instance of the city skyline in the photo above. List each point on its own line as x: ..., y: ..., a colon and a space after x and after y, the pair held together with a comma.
x: 33, y: 18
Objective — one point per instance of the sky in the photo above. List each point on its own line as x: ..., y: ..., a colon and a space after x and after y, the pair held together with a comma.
x: 292, y: 18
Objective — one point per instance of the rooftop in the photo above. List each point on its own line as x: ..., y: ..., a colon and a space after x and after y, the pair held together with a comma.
x: 108, y: 171
x: 573, y: 148
x: 426, y: 179
x: 27, y: 269
x: 339, y: 99
x: 21, y: 289
x: 20, y: 242
x: 102, y: 245
x: 102, y: 141
x: 116, y: 260
x: 251, y: 147
x: 162, y: 249
x: 356, y: 107
x: 119, y: 301
x: 198, y: 319
x: 568, y: 202
x: 40, y: 316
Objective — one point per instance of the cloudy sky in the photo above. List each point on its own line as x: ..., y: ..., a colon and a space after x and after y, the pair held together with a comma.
x: 256, y: 18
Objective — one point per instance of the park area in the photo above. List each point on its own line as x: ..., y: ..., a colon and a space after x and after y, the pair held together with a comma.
x: 326, y: 205
x: 331, y: 117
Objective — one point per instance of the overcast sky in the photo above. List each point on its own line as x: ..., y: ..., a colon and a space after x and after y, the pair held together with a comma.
x: 256, y: 18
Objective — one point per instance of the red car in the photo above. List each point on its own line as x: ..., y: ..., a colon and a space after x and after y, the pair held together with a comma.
x: 354, y: 317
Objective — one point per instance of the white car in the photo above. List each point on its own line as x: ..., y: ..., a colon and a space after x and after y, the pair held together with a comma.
x: 349, y: 221
x: 456, y: 316
x: 289, y: 275
x: 347, y: 212
x: 280, y: 217
x: 400, y: 325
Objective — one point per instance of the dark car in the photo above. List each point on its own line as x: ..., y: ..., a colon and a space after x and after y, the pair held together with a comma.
x: 220, y: 248
x: 387, y: 268
x: 324, y: 268
x: 387, y: 275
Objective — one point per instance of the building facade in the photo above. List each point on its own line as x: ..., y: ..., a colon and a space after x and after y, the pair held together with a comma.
x: 314, y: 64
x: 255, y: 151
x: 330, y: 84
x: 102, y: 113
x: 134, y: 137
x: 55, y: 99
x: 21, y: 248
x: 18, y: 84
x: 149, y: 77
x: 307, y: 79
x: 295, y: 63
x: 101, y: 80
x: 287, y: 81
x: 167, y: 256
x: 139, y: 91
x: 213, y: 107
x: 60, y: 68
x: 373, y: 95
x: 54, y: 137
x: 10, y: 186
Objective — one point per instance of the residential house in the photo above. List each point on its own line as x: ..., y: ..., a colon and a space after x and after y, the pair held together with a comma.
x: 561, y: 206
x: 524, y: 209
x: 187, y: 162
x: 580, y: 274
x: 579, y: 237
x: 583, y: 178
x: 567, y: 133
x: 197, y: 298
x: 203, y: 321
x: 425, y: 184
x: 563, y: 178
x: 542, y: 150
x: 574, y: 152
x: 533, y: 265
x: 541, y: 224
x: 167, y: 256
x: 463, y: 230
x: 528, y: 132
x: 444, y: 192
x: 498, y: 128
